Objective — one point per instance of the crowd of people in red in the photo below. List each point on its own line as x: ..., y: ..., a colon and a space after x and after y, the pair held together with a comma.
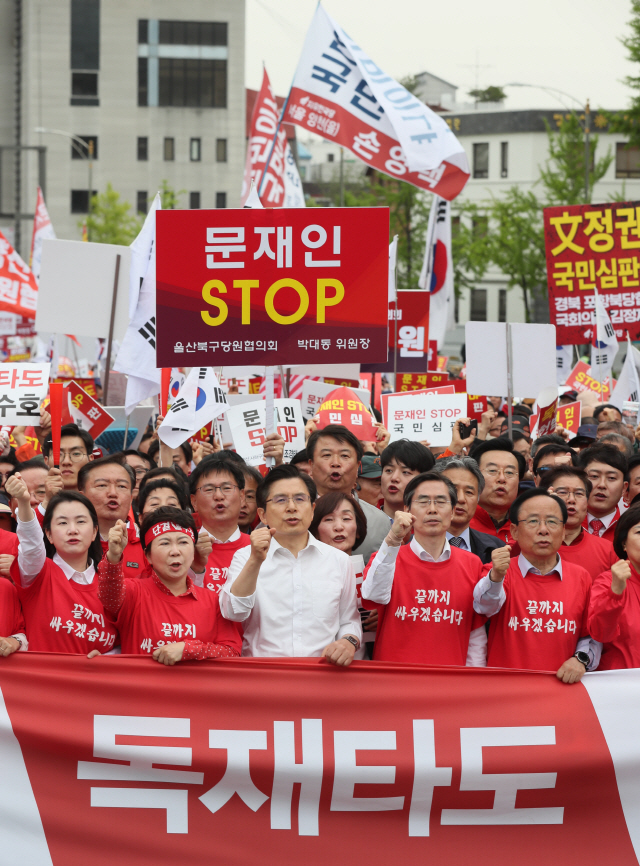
x: 510, y: 553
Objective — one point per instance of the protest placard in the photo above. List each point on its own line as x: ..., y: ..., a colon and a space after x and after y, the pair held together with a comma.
x: 314, y: 393
x: 384, y: 399
x: 271, y: 286
x: 425, y: 416
x: 580, y: 379
x: 23, y: 387
x: 248, y: 422
x: 568, y: 416
x: 343, y: 406
x: 80, y: 408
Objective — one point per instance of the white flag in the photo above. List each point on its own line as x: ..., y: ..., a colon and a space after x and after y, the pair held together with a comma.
x: 141, y: 254
x: 201, y: 399
x: 393, y: 257
x: 437, y: 270
x: 604, y: 345
x: 564, y: 363
x: 293, y: 193
x: 42, y: 229
x: 628, y: 384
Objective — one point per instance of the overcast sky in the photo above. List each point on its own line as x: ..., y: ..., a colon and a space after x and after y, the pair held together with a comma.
x: 569, y: 44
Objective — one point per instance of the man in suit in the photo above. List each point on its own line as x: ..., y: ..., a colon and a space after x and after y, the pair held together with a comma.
x: 464, y: 474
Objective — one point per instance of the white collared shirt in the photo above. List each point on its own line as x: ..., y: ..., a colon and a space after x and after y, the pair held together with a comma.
x: 607, y: 520
x: 32, y: 556
x: 234, y: 537
x: 465, y: 536
x: 301, y: 604
x: 83, y: 577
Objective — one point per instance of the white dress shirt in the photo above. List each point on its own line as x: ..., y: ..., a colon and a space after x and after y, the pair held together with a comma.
x: 301, y: 604
x: 378, y: 584
x: 465, y: 536
x: 606, y: 520
x: 32, y: 556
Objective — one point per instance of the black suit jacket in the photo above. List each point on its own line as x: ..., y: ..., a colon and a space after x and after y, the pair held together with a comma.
x: 482, y: 544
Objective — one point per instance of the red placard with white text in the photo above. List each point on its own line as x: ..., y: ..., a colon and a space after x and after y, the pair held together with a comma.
x: 80, y: 408
x: 271, y: 286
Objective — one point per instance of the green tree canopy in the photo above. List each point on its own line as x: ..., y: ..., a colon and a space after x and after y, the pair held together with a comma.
x: 110, y: 220
x: 563, y: 176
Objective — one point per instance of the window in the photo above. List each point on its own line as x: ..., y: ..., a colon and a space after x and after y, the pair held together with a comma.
x: 142, y: 198
x: 478, y: 312
x: 84, y: 83
x: 143, y: 81
x: 81, y: 151
x: 481, y: 160
x: 221, y: 149
x: 194, y: 150
x: 169, y: 149
x: 192, y: 83
x: 221, y: 199
x: 80, y: 200
x: 192, y: 33
x: 502, y: 305
x: 194, y: 200
x: 627, y: 160
x: 85, y: 51
x: 143, y: 31
x: 504, y: 162
x: 143, y: 148
x: 330, y: 157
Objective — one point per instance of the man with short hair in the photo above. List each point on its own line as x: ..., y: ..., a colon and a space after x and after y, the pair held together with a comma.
x: 401, y: 461
x: 108, y: 484
x: 606, y: 412
x: 606, y: 469
x: 76, y: 450
x: 248, y: 517
x: 550, y: 456
x: 537, y: 602
x: 369, y: 475
x: 295, y: 595
x: 632, y: 483
x: 501, y: 470
x: 141, y: 464
x: 426, y: 586
x: 617, y: 440
x: 34, y: 473
x: 469, y: 483
x: 579, y: 546
x: 334, y: 453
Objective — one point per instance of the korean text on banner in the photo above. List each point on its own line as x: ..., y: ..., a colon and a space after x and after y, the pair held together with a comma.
x: 248, y: 422
x: 80, y: 408
x: 593, y: 247
x: 343, y: 95
x: 425, y: 416
x: 23, y: 387
x: 18, y: 286
x: 580, y: 379
x: 271, y: 286
x: 314, y: 393
x: 342, y: 406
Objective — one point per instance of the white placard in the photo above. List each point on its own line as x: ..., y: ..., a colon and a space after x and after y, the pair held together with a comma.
x: 76, y: 288
x: 425, y: 416
x: 23, y: 387
x: 313, y: 393
x: 247, y: 423
x: 235, y: 400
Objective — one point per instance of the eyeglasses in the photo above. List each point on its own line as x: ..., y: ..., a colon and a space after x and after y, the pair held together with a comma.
x: 297, y: 499
x: 508, y: 473
x: 210, y: 489
x: 74, y: 456
x: 139, y: 472
x: 5, y: 475
x: 426, y: 501
x: 534, y: 522
x: 577, y: 494
x: 542, y: 469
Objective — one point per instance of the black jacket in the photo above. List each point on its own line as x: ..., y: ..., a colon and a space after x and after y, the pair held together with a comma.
x: 482, y: 544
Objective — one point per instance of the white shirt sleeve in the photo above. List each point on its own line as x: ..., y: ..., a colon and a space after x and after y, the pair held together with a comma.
x: 477, y: 649
x: 31, y: 551
x: 25, y: 643
x: 593, y: 649
x: 378, y: 583
x: 350, y: 621
x: 488, y: 596
x: 233, y: 607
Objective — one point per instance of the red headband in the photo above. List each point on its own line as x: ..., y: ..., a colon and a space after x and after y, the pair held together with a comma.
x: 166, y: 526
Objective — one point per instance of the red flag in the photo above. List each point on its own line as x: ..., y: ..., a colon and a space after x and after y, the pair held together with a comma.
x: 18, y: 286
x: 164, y: 390
x: 264, y: 121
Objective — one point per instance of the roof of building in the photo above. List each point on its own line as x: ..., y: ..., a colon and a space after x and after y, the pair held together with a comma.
x: 504, y: 121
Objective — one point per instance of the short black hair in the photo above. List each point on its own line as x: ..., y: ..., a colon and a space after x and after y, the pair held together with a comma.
x: 417, y: 480
x: 166, y: 513
x: 501, y: 443
x: 110, y: 459
x: 283, y: 472
x: 603, y: 454
x: 174, y: 472
x: 632, y: 463
x: 131, y: 452
x: 34, y: 463
x: 11, y: 458
x: 300, y: 457
x: 158, y: 484
x: 629, y: 519
x: 94, y: 553
x: 252, y: 472
x: 413, y: 455
x: 518, y: 436
x: 218, y: 462
x: 550, y: 479
x: 70, y: 430
x: 553, y: 448
x: 514, y: 511
x: 599, y: 409
x: 547, y: 439
x: 154, y: 449
x: 335, y: 431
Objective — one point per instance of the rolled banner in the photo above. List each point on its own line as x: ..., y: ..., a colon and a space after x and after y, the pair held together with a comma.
x: 165, y: 382
x: 55, y: 410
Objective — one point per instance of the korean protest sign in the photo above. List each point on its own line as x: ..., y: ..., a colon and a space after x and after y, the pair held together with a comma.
x: 580, y: 379
x: 23, y: 387
x: 342, y: 406
x: 409, y: 348
x: 593, y: 247
x: 314, y: 394
x: 248, y: 425
x: 424, y: 416
x: 271, y: 286
x: 18, y: 286
x: 80, y: 408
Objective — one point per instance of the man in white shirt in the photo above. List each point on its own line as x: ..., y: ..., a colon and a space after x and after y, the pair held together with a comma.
x: 295, y: 595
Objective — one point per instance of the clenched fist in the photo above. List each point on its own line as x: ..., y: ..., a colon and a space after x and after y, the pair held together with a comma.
x: 260, y: 542
x: 620, y: 574
x: 500, y: 559
x: 402, y: 523
x: 117, y: 541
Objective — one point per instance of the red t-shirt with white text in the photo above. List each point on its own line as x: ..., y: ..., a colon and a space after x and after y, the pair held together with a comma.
x: 217, y: 569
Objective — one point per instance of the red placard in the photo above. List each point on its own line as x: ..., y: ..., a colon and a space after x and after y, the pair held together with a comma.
x: 272, y: 286
x: 88, y: 385
x: 580, y: 379
x: 342, y: 406
x: 593, y: 247
x: 80, y: 408
x: 413, y: 347
x: 569, y: 415
x: 476, y: 405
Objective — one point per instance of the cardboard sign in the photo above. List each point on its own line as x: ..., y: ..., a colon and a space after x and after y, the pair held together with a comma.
x: 314, y: 393
x: 568, y: 416
x: 580, y: 379
x: 23, y: 387
x: 81, y: 409
x: 271, y: 286
x: 592, y: 247
x: 425, y: 416
x: 384, y: 399
x: 342, y: 406
x: 248, y: 422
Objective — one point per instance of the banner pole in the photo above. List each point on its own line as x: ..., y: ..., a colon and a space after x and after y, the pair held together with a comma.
x: 273, y: 144
x: 105, y: 390
x: 395, y: 341
x: 269, y: 426
x: 285, y: 381
x: 510, y: 381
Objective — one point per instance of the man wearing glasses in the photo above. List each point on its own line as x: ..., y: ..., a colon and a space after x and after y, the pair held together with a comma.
x: 537, y: 602
x: 295, y: 595
x: 550, y: 456
x: 217, y: 496
x: 502, y: 470
x: 76, y: 450
x: 579, y: 546
x: 426, y: 586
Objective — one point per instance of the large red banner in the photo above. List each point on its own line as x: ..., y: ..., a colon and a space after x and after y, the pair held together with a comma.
x: 272, y: 286
x: 119, y: 760
x: 592, y: 247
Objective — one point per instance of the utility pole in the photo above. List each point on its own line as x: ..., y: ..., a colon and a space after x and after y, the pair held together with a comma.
x: 587, y: 150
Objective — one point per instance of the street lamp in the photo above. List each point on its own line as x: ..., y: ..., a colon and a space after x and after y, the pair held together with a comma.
x: 81, y: 147
x: 587, y: 124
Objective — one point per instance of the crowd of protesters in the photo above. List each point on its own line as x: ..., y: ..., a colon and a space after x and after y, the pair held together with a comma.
x: 504, y: 552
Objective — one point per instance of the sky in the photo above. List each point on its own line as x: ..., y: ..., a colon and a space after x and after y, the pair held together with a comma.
x: 573, y: 46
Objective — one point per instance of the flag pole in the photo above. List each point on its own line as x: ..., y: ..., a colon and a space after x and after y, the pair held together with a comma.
x: 273, y: 143
x: 596, y: 342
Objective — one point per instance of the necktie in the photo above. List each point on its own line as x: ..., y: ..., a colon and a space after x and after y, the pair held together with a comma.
x: 457, y: 541
x: 596, y: 526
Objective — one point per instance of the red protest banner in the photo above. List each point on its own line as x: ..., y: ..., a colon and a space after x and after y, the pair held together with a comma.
x: 154, y: 762
x: 272, y: 286
x: 18, y: 286
x: 580, y: 379
x: 569, y: 416
x: 88, y: 385
x: 409, y: 349
x: 593, y: 247
x: 342, y: 406
x: 80, y: 408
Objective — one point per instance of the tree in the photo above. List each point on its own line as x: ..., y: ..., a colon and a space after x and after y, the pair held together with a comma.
x: 110, y: 220
x: 489, y: 94
x: 169, y: 196
x: 628, y: 122
x: 469, y: 246
x: 563, y: 175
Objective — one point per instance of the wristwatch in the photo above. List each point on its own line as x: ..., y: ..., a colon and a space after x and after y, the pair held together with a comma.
x: 583, y: 658
x: 352, y: 640
x: 19, y: 641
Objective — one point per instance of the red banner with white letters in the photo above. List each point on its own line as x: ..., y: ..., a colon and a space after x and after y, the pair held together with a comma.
x: 121, y: 760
